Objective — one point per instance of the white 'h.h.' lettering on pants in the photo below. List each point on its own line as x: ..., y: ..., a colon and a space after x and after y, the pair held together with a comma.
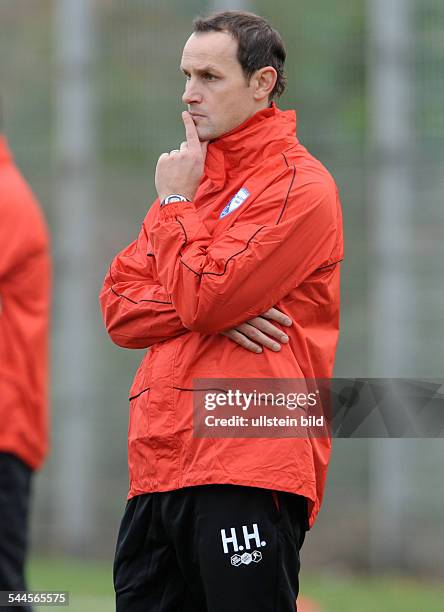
x: 232, y: 540
x: 248, y: 537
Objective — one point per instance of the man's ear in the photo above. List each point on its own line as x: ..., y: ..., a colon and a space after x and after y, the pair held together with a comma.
x: 264, y: 81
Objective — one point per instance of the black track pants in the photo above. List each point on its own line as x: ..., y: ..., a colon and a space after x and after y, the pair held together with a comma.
x: 212, y: 548
x: 15, y: 487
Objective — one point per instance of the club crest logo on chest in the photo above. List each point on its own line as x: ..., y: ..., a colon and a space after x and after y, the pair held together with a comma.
x: 235, y: 202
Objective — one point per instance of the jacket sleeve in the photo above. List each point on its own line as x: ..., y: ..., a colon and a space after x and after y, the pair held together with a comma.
x: 136, y: 309
x: 24, y: 238
x: 215, y: 284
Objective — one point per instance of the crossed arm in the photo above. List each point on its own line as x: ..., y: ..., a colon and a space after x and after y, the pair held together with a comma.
x: 138, y: 312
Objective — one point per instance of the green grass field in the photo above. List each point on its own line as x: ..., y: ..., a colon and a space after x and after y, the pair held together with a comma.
x: 90, y: 587
x: 89, y: 583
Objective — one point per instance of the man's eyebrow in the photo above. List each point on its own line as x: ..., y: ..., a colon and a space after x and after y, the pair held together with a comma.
x: 203, y: 70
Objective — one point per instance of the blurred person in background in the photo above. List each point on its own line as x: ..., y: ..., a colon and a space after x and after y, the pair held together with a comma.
x: 244, y: 239
x: 24, y: 326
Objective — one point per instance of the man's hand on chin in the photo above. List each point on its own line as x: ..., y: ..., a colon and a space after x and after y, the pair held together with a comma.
x: 181, y: 170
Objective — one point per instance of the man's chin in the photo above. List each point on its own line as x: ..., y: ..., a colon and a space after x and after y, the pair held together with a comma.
x: 206, y: 132
x: 207, y: 135
x: 204, y: 135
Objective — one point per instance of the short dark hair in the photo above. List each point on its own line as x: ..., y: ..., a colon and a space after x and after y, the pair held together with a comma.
x: 259, y: 44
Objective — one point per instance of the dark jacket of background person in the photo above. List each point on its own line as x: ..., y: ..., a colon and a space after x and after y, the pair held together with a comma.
x: 25, y: 272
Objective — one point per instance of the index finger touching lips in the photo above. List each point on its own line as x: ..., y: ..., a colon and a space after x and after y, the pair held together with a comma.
x: 191, y: 131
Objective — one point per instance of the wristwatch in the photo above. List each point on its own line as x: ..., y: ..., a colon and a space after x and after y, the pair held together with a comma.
x: 174, y: 197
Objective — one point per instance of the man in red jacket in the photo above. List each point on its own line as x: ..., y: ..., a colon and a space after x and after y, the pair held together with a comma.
x: 247, y: 228
x: 24, y: 316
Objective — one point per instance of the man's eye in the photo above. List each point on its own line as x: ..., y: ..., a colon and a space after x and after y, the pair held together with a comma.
x: 206, y: 76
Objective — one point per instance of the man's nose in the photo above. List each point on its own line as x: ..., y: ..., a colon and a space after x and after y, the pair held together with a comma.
x: 191, y: 94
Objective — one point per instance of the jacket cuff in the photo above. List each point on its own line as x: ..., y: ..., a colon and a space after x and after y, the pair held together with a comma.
x: 170, y: 212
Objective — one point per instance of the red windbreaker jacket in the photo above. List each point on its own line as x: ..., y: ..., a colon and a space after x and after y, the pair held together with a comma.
x: 24, y: 317
x: 264, y: 229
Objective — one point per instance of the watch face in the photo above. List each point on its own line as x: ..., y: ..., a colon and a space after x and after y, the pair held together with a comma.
x: 173, y: 198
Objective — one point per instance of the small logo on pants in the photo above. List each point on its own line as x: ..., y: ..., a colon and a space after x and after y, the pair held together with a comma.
x: 246, y: 558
